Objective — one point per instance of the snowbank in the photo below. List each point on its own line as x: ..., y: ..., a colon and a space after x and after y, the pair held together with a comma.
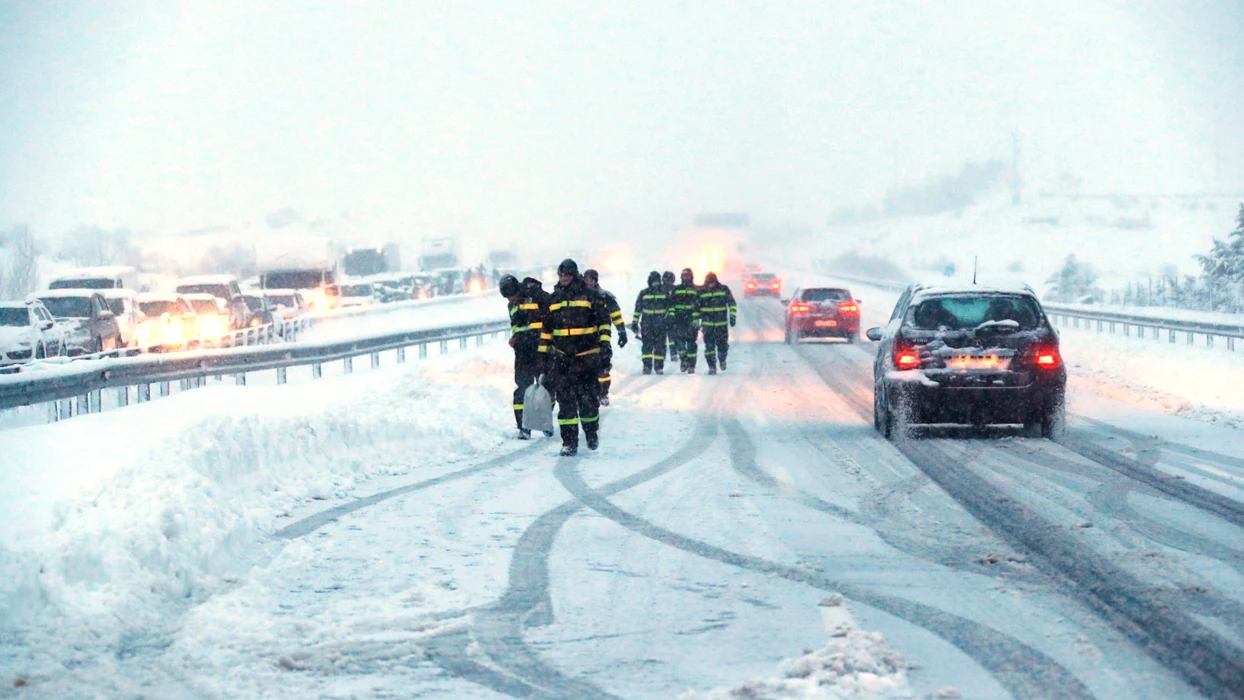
x: 175, y: 500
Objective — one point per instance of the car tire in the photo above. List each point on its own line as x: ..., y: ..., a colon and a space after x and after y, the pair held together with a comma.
x: 853, y: 337
x: 788, y: 336
x: 40, y: 352
x: 1034, y: 428
x: 878, y: 423
x: 1054, y: 422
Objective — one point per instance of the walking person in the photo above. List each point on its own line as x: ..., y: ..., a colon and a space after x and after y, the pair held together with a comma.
x: 576, y: 318
x: 648, y: 324
x: 528, y: 306
x: 718, y: 314
x: 605, y: 378
x: 667, y: 285
x: 685, y: 320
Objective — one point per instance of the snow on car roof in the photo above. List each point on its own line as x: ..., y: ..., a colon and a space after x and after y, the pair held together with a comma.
x: 16, y: 304
x: 61, y: 293
x: 207, y: 279
x: 156, y: 296
x: 118, y: 293
x: 278, y: 292
x: 200, y: 296
x: 925, y: 291
x: 102, y: 271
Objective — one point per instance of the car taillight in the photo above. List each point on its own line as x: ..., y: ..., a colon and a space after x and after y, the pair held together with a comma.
x: 776, y: 285
x: 1044, y: 356
x: 906, y: 357
x: 848, y: 308
x: 751, y: 285
x: 800, y: 308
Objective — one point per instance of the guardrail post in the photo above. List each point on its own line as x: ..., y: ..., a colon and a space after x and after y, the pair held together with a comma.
x: 1112, y: 327
x: 1231, y: 343
x: 444, y: 346
x: 123, y: 396
x: 185, y: 385
x: 239, y: 379
x: 375, y: 360
x: 1099, y: 325
x: 1190, y: 338
x: 401, y: 356
x: 1140, y: 331
x: 479, y: 340
x: 53, y: 411
x: 165, y: 389
x: 1127, y: 331
x: 96, y: 401
x: 1209, y: 340
x: 84, y: 404
x: 423, y: 351
x: 317, y: 370
x: 462, y: 343
x: 349, y: 365
x: 280, y: 375
x: 1075, y: 321
x: 144, y: 393
x: 1172, y: 334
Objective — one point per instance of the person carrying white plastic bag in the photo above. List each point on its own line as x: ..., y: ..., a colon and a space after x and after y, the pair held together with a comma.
x: 538, y: 408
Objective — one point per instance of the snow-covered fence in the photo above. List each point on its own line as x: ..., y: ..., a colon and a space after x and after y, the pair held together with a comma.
x: 1143, y: 325
x: 84, y: 382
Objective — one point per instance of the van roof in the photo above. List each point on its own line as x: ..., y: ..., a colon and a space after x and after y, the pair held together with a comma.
x: 206, y: 279
x: 101, y: 271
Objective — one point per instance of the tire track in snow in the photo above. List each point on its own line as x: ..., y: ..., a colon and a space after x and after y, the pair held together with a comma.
x: 499, y: 629
x: 1183, y: 645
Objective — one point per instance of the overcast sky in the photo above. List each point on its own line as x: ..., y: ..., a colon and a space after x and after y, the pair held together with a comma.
x: 508, y: 119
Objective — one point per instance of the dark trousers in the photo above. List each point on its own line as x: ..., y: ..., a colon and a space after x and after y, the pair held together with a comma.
x: 684, y: 334
x: 716, y: 344
x: 653, y: 345
x: 526, y: 370
x: 604, y: 368
x: 577, y: 381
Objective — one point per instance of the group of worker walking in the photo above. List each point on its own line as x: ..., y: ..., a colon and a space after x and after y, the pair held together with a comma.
x: 566, y: 337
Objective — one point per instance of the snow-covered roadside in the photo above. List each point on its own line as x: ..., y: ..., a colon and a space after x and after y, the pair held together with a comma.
x: 175, y: 500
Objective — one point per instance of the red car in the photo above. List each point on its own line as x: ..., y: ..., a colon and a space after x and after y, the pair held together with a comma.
x: 822, y: 312
x: 762, y: 284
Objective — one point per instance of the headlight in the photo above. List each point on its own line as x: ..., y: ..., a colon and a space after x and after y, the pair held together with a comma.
x: 211, y: 328
x: 173, y: 333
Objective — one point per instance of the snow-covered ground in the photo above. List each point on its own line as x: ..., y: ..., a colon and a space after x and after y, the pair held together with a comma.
x: 745, y: 535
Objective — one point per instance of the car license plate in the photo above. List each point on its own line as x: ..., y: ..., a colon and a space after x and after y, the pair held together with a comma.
x: 827, y: 324
x: 974, y: 362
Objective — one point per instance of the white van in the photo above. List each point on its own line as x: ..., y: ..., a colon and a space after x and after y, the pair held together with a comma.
x: 112, y: 277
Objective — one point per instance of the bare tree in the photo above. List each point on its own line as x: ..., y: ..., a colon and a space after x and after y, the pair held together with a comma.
x: 18, y: 263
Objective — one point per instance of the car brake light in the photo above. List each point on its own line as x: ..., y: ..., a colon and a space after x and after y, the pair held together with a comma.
x: 800, y: 308
x: 1046, y: 357
x: 848, y: 307
x: 751, y: 285
x: 776, y: 285
x: 906, y: 357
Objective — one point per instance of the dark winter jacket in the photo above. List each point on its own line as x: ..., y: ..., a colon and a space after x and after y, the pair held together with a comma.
x: 578, y: 321
x: 529, y: 319
x: 650, y: 306
x: 717, y: 307
x: 615, y: 315
x: 685, y: 304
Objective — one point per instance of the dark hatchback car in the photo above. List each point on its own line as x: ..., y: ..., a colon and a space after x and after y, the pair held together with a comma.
x: 968, y: 355
x: 822, y: 312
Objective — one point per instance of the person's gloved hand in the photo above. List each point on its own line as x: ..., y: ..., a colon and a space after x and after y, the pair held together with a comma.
x: 732, y: 323
x: 622, y: 340
x: 635, y: 329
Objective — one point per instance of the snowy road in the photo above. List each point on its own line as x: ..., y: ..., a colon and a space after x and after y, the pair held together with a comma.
x: 748, y: 530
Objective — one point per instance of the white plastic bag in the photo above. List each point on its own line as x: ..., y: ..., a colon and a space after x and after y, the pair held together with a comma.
x: 537, y: 408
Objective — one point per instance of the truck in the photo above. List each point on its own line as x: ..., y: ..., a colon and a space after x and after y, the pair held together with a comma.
x: 371, y: 260
x: 438, y: 254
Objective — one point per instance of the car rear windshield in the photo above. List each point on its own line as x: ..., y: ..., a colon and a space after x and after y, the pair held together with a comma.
x: 86, y: 283
x: 969, y: 311
x: 117, y: 306
x: 14, y: 317
x: 216, y: 290
x: 825, y: 295
x: 282, y: 300
x: 764, y: 276
x: 355, y: 290
x: 253, y: 303
x: 205, y: 306
x: 68, y: 307
x: 158, y: 308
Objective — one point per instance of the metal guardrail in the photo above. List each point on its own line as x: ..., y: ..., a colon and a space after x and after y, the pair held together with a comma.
x: 1108, y: 321
x: 85, y: 381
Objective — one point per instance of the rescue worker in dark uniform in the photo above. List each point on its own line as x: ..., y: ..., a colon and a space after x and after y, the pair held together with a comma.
x: 685, y: 321
x: 667, y: 286
x: 579, y: 326
x: 648, y: 323
x: 592, y: 277
x: 718, y: 314
x: 528, y: 305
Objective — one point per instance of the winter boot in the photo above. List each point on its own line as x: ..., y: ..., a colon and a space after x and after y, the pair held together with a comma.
x: 712, y: 370
x: 524, y: 434
x: 548, y: 433
x: 661, y: 371
x: 604, y: 400
x: 691, y: 370
x: 593, y: 440
x: 570, y: 450
x: 723, y: 364
x: 648, y: 370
